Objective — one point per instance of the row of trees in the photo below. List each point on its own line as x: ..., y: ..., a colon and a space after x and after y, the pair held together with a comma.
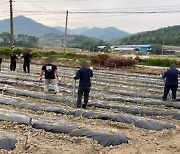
x: 81, y: 42
x: 164, y: 36
x: 89, y: 44
x: 20, y: 40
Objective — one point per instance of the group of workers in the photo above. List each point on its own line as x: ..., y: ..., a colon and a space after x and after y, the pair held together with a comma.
x: 51, y: 75
x: 26, y: 64
x: 84, y: 75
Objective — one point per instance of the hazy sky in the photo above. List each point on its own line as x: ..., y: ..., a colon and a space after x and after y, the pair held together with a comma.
x: 113, y: 13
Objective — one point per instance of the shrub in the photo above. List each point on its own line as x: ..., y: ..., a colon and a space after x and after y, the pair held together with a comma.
x: 119, y: 62
x: 51, y: 53
x: 158, y: 62
x: 5, y: 51
x: 100, y: 58
x: 18, y: 51
x: 67, y: 55
x: 178, y: 63
x: 74, y: 56
x: 36, y: 54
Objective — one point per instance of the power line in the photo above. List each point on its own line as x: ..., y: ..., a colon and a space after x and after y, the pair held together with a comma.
x: 116, y: 12
x: 40, y: 11
x: 135, y: 8
x: 4, y: 11
x: 37, y: 1
x: 37, y: 5
x: 165, y: 7
x: 3, y: 2
x: 104, y: 12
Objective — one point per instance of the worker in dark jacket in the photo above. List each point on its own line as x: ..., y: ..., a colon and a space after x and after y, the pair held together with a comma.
x: 13, y: 58
x: 171, y: 81
x: 27, y: 60
x: 84, y: 75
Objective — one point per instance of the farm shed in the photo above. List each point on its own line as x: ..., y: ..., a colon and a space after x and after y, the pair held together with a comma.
x: 145, y: 48
x: 142, y: 48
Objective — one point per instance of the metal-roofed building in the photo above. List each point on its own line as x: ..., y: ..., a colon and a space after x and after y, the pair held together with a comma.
x: 134, y: 48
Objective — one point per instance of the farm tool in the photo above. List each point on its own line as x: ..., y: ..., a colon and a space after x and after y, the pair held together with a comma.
x: 26, y: 146
x: 74, y: 89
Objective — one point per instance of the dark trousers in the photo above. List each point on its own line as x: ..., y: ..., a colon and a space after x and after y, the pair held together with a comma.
x: 173, y: 88
x: 83, y: 91
x: 13, y: 66
x: 26, y: 65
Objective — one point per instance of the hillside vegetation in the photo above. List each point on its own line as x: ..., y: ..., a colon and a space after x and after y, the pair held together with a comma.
x: 167, y: 36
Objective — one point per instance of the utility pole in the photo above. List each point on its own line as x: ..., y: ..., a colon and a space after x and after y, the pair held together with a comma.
x: 11, y: 26
x: 162, y: 48
x: 65, y: 33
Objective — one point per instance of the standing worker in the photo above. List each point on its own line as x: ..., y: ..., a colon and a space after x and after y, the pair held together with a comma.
x: 50, y: 73
x: 171, y: 82
x: 13, y: 58
x: 27, y: 60
x: 84, y: 75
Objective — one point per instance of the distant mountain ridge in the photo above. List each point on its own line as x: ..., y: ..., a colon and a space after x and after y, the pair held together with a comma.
x: 105, y: 34
x: 79, y: 31
x: 76, y: 31
x: 27, y: 26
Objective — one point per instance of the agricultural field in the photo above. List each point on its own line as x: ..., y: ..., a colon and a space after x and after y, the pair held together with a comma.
x: 125, y: 114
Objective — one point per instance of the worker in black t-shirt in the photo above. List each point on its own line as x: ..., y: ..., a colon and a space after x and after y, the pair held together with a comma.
x: 50, y: 73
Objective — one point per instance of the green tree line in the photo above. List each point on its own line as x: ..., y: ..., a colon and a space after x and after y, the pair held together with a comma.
x: 86, y: 43
x: 20, y: 40
x: 167, y: 36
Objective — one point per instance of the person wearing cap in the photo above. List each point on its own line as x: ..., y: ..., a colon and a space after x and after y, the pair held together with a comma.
x: 51, y: 73
x: 171, y: 81
x: 84, y: 75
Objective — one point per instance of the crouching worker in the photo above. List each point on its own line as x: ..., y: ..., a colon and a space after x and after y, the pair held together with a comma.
x: 50, y: 73
x: 84, y: 75
x: 171, y: 81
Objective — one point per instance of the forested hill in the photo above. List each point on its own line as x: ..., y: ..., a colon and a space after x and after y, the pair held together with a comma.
x: 168, y: 35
